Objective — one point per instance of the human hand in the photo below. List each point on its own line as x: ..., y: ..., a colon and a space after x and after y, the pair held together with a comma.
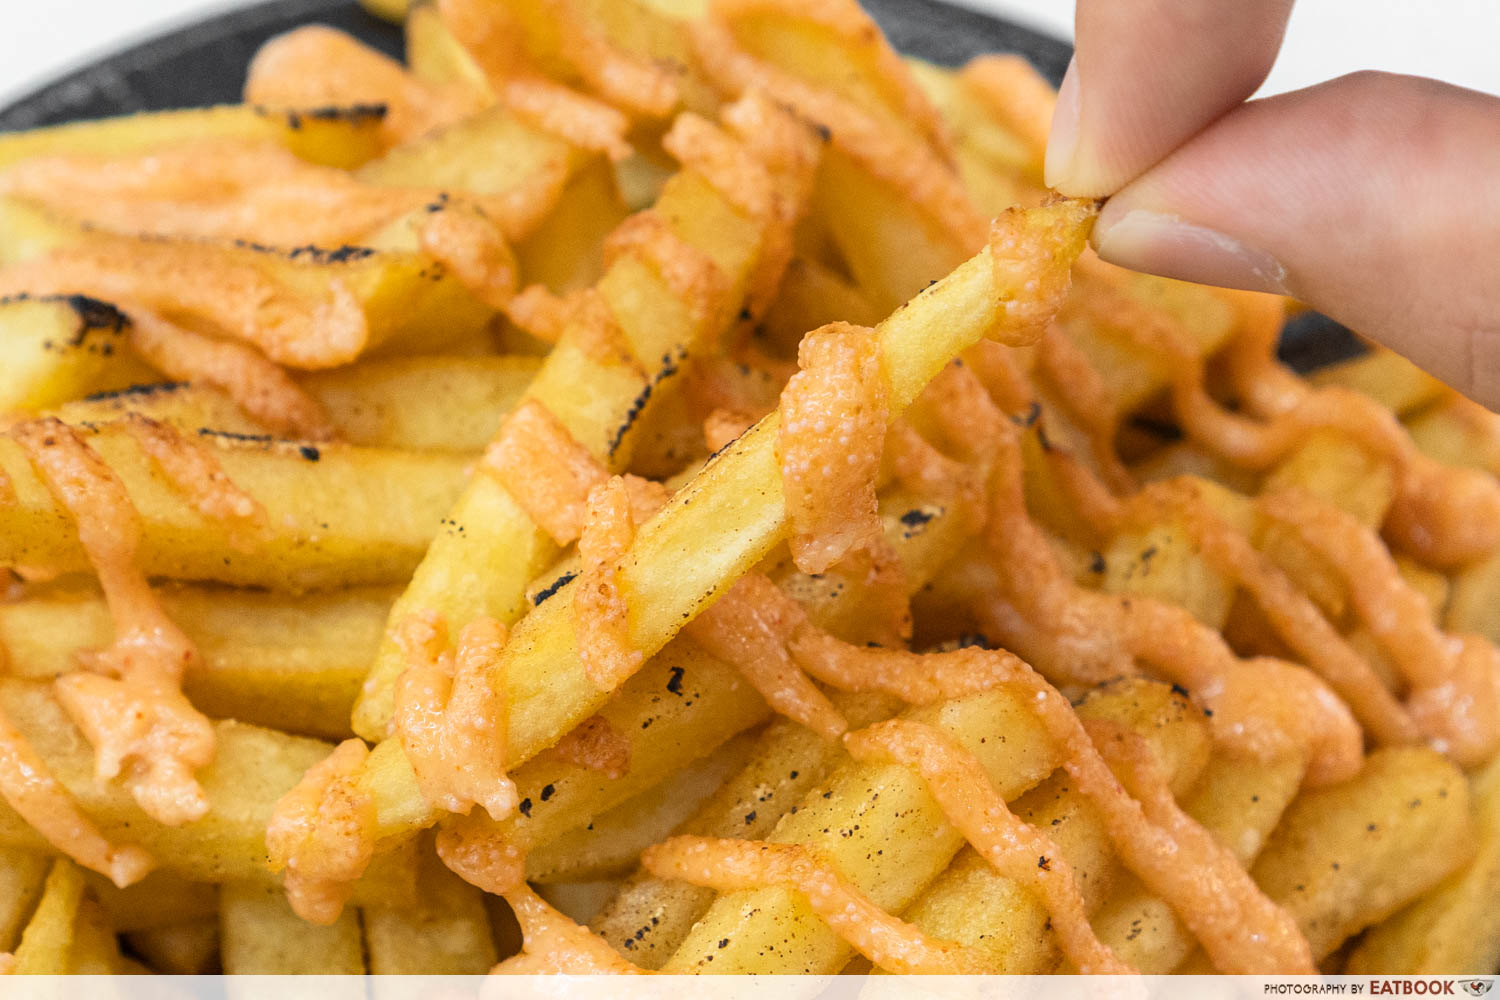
x: 1373, y: 197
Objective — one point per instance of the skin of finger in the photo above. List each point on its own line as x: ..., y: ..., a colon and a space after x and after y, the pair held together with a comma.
x: 1152, y: 73
x: 1375, y: 192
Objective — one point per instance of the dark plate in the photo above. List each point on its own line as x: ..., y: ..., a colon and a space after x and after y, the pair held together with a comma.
x: 205, y: 64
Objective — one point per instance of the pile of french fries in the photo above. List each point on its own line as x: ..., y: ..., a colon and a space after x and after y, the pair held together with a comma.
x: 660, y: 486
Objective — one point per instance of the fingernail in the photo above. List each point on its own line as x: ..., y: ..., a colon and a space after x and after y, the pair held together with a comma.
x: 1166, y: 244
x: 1062, y: 143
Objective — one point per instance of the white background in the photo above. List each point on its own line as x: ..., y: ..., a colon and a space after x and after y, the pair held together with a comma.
x: 1454, y: 40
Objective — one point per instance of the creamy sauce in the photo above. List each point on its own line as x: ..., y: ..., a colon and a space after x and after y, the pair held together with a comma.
x: 257, y: 385
x: 749, y: 628
x: 1015, y: 849
x: 738, y: 177
x: 545, y: 470
x: 577, y: 120
x: 833, y: 424
x: 229, y: 287
x: 463, y: 238
x: 31, y: 790
x: 601, y: 617
x: 322, y: 832
x: 450, y: 714
x: 482, y: 859
x: 316, y: 66
x: 1454, y: 682
x: 731, y: 865
x: 192, y: 468
x: 554, y: 945
x: 596, y: 745
x: 691, y: 275
x: 132, y: 710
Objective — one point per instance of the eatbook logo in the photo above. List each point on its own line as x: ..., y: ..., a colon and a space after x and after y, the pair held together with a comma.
x: 1477, y: 987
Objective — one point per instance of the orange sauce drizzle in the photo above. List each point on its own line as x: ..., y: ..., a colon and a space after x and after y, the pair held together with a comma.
x: 473, y: 851
x: 570, y: 116
x: 541, y: 312
x: 545, y: 469
x: 1013, y: 848
x: 461, y: 236
x: 222, y: 189
x: 554, y: 945
x: 316, y: 65
x: 133, y: 711
x: 257, y: 385
x: 749, y: 628
x: 322, y: 832
x: 450, y: 714
x: 193, y: 469
x: 221, y: 286
x: 694, y: 279
x: 600, y: 613
x: 833, y: 424
x: 622, y: 79
x: 738, y: 177
x: 596, y: 745
x: 31, y: 790
x: 731, y: 865
x: 1455, y: 682
x: 1296, y: 619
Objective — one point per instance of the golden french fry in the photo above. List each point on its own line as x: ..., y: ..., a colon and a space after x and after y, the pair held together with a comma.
x: 879, y: 825
x: 260, y: 935
x: 252, y: 768
x: 55, y: 348
x: 67, y: 935
x: 610, y: 844
x: 1002, y: 921
x: 1455, y: 927
x: 294, y: 664
x: 337, y: 515
x: 446, y: 932
x: 1347, y: 856
x: 22, y: 875
x: 331, y: 135
x: 1386, y: 377
x: 187, y: 949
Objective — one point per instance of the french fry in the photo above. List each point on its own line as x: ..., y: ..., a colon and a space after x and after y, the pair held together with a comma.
x: 330, y: 135
x: 446, y: 933
x: 293, y: 664
x: 392, y: 10
x: 709, y: 535
x: 252, y: 768
x: 1454, y: 928
x: 879, y: 825
x: 1003, y: 921
x: 182, y: 404
x: 260, y: 935
x: 520, y: 187
x: 306, y: 307
x: 434, y: 55
x: 1239, y: 801
x: 337, y: 515
x: 649, y: 917
x: 186, y: 949
x: 1457, y: 432
x: 610, y: 845
x: 485, y: 568
x: 1474, y: 605
x: 566, y: 251
x: 422, y: 403
x: 22, y: 875
x: 1347, y: 856
x: 54, y: 349
x: 161, y: 899
x: 66, y: 935
x: 1386, y: 377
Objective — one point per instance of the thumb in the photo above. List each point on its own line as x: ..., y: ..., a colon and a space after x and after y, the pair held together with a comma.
x: 1371, y: 197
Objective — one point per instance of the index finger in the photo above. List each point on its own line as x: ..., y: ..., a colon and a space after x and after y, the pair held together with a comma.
x: 1147, y: 75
